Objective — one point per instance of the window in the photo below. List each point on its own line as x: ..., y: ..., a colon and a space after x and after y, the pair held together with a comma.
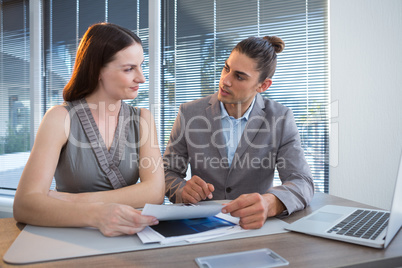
x: 198, y: 37
x: 67, y: 21
x: 14, y: 92
x: 64, y: 23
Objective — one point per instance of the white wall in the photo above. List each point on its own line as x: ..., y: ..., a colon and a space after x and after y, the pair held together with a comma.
x: 366, y: 83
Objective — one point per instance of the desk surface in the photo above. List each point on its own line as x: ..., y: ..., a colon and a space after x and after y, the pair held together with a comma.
x: 299, y: 249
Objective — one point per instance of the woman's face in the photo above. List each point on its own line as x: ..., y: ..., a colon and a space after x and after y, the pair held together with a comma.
x: 239, y: 81
x: 120, y: 78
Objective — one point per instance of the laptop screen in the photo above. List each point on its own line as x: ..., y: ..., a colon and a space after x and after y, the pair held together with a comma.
x: 395, y: 220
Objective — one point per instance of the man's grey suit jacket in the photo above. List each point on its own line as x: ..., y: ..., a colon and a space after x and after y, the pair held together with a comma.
x: 270, y: 139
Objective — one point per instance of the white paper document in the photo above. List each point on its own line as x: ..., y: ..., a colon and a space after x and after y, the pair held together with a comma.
x: 182, y: 211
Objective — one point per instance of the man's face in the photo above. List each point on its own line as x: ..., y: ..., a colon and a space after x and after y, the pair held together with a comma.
x: 239, y: 82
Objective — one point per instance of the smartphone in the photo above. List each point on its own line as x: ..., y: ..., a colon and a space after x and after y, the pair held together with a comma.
x: 263, y: 257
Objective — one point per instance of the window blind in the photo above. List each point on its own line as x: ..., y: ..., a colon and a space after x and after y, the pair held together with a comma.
x: 64, y: 24
x: 67, y: 21
x: 198, y: 36
x: 14, y: 92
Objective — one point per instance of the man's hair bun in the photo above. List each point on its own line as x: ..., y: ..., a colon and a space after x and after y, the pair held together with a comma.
x: 276, y: 42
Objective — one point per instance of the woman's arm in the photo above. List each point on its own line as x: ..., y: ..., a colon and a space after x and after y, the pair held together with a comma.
x: 151, y: 164
x: 152, y: 186
x: 33, y: 205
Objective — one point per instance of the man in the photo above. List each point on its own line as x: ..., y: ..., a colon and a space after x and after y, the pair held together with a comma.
x: 234, y: 139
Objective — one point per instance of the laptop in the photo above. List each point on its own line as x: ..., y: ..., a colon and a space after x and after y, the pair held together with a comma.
x: 368, y: 227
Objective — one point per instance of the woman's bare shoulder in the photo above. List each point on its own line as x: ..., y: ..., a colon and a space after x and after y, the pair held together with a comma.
x: 56, y: 120
x: 57, y: 111
x: 146, y: 114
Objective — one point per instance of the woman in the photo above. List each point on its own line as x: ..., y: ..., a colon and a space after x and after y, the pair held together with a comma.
x: 95, y: 145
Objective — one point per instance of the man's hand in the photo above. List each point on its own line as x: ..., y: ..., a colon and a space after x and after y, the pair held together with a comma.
x: 196, y: 189
x: 253, y: 209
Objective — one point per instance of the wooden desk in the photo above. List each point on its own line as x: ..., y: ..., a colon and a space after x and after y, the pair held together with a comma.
x: 299, y: 249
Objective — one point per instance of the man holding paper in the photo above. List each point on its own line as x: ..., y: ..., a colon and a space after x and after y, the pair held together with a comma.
x: 234, y: 139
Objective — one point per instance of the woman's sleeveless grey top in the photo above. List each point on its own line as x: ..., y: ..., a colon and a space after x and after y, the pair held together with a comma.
x: 81, y: 168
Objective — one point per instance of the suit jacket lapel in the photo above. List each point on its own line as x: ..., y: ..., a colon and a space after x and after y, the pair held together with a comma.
x: 254, y: 123
x: 213, y: 113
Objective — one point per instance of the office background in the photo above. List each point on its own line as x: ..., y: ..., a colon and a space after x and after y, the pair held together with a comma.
x: 365, y: 119
x: 39, y: 40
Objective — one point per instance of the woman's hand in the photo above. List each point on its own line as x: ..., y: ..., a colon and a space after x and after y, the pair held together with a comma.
x: 117, y: 219
x: 113, y: 219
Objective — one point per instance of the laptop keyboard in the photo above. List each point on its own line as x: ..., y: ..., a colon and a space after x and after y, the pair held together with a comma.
x: 366, y: 224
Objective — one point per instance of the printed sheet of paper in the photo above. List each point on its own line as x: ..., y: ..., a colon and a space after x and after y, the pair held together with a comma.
x: 182, y: 211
